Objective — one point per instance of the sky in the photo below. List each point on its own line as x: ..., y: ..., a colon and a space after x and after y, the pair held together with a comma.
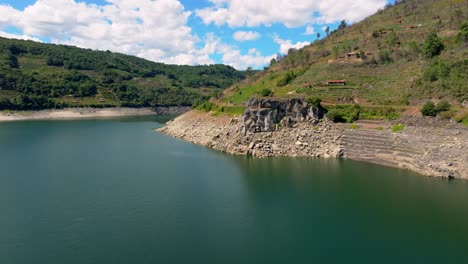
x: 240, y: 33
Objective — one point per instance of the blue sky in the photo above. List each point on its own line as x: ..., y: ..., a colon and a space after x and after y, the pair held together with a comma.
x: 240, y: 33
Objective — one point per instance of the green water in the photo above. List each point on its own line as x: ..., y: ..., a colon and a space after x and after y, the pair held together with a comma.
x: 115, y: 191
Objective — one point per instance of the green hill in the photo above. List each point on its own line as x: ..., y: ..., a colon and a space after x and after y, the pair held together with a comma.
x: 36, y: 76
x: 391, y: 62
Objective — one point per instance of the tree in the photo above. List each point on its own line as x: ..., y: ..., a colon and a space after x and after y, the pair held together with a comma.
x: 273, y: 61
x: 249, y: 71
x: 318, y: 35
x: 433, y: 45
x: 342, y: 25
x: 327, y: 30
x: 13, y: 61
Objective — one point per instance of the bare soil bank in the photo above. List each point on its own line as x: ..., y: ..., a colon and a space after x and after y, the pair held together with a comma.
x: 428, y: 146
x: 82, y: 113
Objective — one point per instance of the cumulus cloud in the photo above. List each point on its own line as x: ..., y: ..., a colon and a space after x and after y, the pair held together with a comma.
x: 231, y: 55
x: 156, y: 30
x: 309, y: 30
x: 14, y: 36
x: 245, y: 35
x: 286, y: 44
x: 237, y: 13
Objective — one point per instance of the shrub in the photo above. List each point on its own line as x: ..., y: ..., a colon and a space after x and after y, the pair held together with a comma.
x: 336, y: 116
x: 375, y: 34
x: 448, y: 114
x: 344, y: 113
x: 442, y: 106
x: 266, y: 92
x: 315, y: 101
x: 433, y: 45
x: 462, y: 36
x: 385, y: 57
x: 428, y: 109
x: 462, y: 117
x: 437, y: 70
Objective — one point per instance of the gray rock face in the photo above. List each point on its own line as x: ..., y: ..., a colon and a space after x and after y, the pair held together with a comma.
x: 265, y: 115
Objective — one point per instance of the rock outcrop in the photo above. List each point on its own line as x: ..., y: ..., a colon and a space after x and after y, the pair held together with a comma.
x: 267, y: 115
x: 271, y: 128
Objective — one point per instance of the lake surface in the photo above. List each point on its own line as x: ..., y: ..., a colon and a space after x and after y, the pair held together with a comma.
x: 115, y: 191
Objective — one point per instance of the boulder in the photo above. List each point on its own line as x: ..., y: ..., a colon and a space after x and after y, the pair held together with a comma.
x: 267, y: 114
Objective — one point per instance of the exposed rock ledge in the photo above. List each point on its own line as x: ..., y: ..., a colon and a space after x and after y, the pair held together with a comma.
x: 289, y: 128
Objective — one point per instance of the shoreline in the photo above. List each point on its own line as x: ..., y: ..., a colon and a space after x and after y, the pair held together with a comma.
x: 86, y: 113
x: 428, y: 148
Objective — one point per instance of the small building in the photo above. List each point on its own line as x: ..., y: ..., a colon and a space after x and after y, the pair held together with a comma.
x: 397, y: 21
x: 351, y: 55
x: 336, y: 82
x: 411, y: 27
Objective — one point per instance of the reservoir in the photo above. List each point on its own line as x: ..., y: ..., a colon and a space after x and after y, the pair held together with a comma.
x: 116, y: 191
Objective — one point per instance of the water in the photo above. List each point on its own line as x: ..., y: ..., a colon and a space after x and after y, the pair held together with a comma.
x: 115, y: 191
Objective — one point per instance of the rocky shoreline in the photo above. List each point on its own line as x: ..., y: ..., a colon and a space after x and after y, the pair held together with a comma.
x: 83, y: 113
x: 439, y: 150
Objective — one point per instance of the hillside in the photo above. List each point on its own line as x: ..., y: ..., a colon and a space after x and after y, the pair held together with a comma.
x: 387, y: 65
x: 37, y: 76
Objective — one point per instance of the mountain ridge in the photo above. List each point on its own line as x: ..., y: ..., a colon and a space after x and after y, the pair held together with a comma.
x: 37, y: 76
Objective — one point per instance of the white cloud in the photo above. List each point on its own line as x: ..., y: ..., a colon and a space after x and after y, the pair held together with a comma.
x: 245, y: 35
x: 237, y: 13
x: 285, y: 45
x: 155, y: 30
x: 14, y: 36
x: 232, y: 56
x: 309, y: 30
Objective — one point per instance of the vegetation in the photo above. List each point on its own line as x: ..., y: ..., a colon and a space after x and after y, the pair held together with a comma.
x: 398, y: 128
x: 37, y: 76
x: 433, y: 45
x: 354, y: 126
x: 266, y: 92
x: 351, y: 113
x: 220, y: 110
x: 430, y: 109
x: 409, y: 52
x: 462, y: 36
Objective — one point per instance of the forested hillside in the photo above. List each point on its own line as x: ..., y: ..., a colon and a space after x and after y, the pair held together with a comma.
x: 388, y: 65
x: 37, y: 76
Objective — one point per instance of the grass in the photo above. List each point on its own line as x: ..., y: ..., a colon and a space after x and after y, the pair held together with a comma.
x: 398, y: 128
x: 218, y: 110
x: 396, y: 84
x: 354, y: 126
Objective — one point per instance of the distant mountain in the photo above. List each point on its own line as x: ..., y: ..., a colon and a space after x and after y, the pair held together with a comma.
x: 36, y: 76
x: 393, y: 61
